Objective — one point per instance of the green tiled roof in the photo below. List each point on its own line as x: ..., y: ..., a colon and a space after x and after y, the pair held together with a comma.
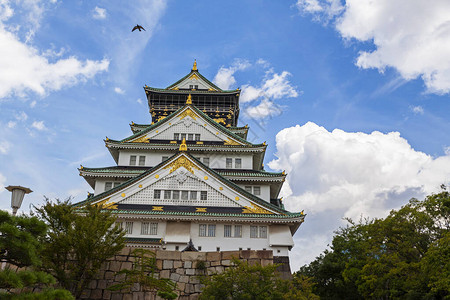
x: 143, y: 240
x: 214, y: 173
x: 148, y: 88
x: 189, y: 145
x: 198, y: 111
x: 201, y: 76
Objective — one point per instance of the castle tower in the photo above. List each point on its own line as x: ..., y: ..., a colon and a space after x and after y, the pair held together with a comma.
x: 191, y: 175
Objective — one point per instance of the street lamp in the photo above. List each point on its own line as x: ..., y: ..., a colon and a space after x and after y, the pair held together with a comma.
x: 17, y: 194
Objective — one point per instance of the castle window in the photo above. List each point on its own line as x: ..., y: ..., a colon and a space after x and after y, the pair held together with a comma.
x: 237, y: 231
x: 190, y: 137
x: 227, y: 230
x: 183, y: 136
x: 157, y: 194
x: 177, y: 248
x: 211, y: 230
x: 202, y: 230
x: 119, y: 224
x: 142, y: 160
x: 132, y: 160
x: 167, y: 194
x: 197, y: 137
x: 207, y: 230
x: 248, y: 189
x: 108, y: 186
x: 199, y: 248
x: 217, y: 249
x: 153, y: 229
x: 254, y: 232
x: 184, y: 195
x: 191, y: 86
x: 176, y: 136
x: 203, y: 195
x: 196, y: 86
x: 238, y: 163
x: 193, y: 195
x: 263, y: 232
x: 257, y: 190
x: 229, y: 163
x: 206, y: 161
x: 176, y: 195
x: 117, y: 183
x: 129, y: 227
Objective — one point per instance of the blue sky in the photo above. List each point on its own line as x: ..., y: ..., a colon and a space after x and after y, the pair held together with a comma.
x: 352, y: 97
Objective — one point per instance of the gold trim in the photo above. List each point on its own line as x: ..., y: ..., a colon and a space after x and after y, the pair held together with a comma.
x: 157, y: 208
x: 188, y: 112
x: 230, y: 142
x: 194, y: 76
x: 103, y: 204
x: 181, y: 162
x: 237, y: 198
x: 255, y: 209
x: 123, y: 195
x: 206, y: 177
x: 140, y: 185
x: 173, y: 142
x: 220, y: 120
x: 142, y: 139
x: 199, y: 143
x: 156, y: 176
x: 194, y: 67
x: 200, y: 209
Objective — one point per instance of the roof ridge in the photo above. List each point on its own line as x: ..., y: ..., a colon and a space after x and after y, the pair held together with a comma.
x: 201, y: 76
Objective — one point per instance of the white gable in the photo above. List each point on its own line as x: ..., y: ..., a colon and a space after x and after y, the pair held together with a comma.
x: 183, y: 174
x: 194, y: 80
x: 187, y: 121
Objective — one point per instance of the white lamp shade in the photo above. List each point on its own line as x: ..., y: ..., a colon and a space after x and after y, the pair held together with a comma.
x: 17, y: 194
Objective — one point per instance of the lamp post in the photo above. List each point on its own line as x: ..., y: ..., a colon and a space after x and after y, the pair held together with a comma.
x: 17, y: 194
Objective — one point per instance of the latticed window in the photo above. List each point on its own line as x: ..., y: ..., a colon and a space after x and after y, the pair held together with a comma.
x: 144, y: 227
x: 129, y: 227
x: 108, y: 186
x: 229, y: 163
x: 148, y: 228
x: 132, y: 160
x: 190, y: 137
x: 237, y: 231
x: 263, y: 232
x: 203, y: 195
x: 157, y: 194
x: 176, y: 136
x: 238, y: 163
x: 167, y: 194
x: 193, y: 195
x: 211, y: 230
x: 248, y: 189
x: 184, y: 195
x: 254, y: 232
x: 153, y: 229
x: 197, y: 137
x: 176, y: 195
x: 142, y: 160
x: 119, y: 224
x: 202, y: 230
x: 227, y: 230
x: 257, y: 190
x: 183, y: 136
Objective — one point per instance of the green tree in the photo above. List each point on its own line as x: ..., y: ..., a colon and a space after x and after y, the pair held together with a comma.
x: 78, y: 242
x: 404, y: 255
x: 244, y: 281
x: 144, y: 273
x: 20, y: 247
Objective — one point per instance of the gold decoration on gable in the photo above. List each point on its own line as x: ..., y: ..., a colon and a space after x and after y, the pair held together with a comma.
x: 188, y: 112
x: 160, y: 118
x: 181, y: 162
x: 142, y: 139
x: 200, y: 209
x: 194, y: 76
x: 255, y: 209
x: 104, y: 205
x: 220, y: 120
x: 157, y: 208
x: 230, y: 142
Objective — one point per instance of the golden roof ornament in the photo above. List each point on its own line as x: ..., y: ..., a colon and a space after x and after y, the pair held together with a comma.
x: 183, y: 146
x: 189, y: 99
x: 194, y: 68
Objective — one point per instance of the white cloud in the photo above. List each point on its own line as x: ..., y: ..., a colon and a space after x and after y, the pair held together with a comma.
x: 139, y: 101
x: 33, y: 103
x: 224, y: 77
x: 411, y: 36
x: 99, y: 13
x: 118, y: 90
x: 417, y: 109
x: 22, y: 116
x: 39, y: 125
x: 12, y: 124
x: 264, y: 109
x: 25, y: 69
x: 2, y: 183
x: 4, y: 147
x: 345, y: 174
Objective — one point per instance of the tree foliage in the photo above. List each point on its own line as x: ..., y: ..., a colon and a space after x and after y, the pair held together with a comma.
x: 144, y: 272
x: 78, y: 242
x: 405, y: 255
x: 20, y: 246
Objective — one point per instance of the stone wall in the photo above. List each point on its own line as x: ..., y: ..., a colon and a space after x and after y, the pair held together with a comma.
x: 181, y: 267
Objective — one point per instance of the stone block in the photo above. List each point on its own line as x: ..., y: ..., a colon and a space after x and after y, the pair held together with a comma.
x: 188, y: 255
x: 213, y: 256
x: 265, y: 254
x: 219, y: 269
x: 136, y: 288
x: 106, y: 295
x: 248, y: 254
x: 96, y: 294
x: 194, y: 279
x: 181, y: 286
x: 119, y: 277
x: 215, y: 263
x: 121, y: 257
x: 109, y: 275
x: 167, y: 264
x: 117, y: 296
x: 266, y: 262
x: 101, y: 284
x: 189, y: 289
x: 177, y: 264
x: 194, y: 296
x: 179, y: 271
x: 138, y: 296
x: 164, y: 274
x: 211, y: 270
x: 198, y: 288
x: 159, y: 264
x: 114, y: 266
x: 85, y: 294
x: 174, y: 276
x: 149, y: 296
x: 190, y: 271
x: 188, y: 264
x: 166, y: 254
x: 184, y: 279
x: 126, y: 265
x: 253, y: 262
x: 230, y: 254
x: 226, y: 262
x: 125, y: 251
x: 92, y: 284
x: 127, y: 297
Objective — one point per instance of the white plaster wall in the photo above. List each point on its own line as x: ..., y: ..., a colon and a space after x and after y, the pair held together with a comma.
x: 265, y: 190
x: 151, y: 158
x: 206, y: 134
x: 100, y: 185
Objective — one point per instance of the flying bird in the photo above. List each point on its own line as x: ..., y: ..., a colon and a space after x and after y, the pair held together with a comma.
x: 138, y: 27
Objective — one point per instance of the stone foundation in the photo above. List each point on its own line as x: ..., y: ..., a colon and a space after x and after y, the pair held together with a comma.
x: 181, y: 267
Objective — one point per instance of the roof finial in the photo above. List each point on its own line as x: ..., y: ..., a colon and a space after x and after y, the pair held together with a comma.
x: 189, y: 99
x: 194, y: 68
x: 183, y: 146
